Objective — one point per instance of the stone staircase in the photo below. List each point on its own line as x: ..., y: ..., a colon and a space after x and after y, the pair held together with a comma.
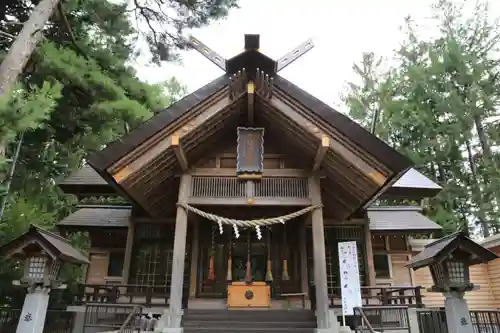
x: 249, y: 321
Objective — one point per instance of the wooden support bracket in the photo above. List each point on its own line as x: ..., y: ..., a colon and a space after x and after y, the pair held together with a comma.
x: 179, y: 152
x: 251, y: 102
x: 320, y: 154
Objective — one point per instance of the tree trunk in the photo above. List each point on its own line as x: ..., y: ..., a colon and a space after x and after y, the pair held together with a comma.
x: 477, y: 189
x: 19, y: 53
x: 25, y: 43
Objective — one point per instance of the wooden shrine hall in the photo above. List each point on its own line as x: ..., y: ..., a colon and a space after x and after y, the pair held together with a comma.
x: 239, y: 193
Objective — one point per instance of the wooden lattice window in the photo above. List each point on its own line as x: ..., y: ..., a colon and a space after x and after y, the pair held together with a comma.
x: 333, y: 236
x: 151, y: 264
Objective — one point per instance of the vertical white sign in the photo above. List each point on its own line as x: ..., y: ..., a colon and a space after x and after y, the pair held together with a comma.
x: 349, y: 277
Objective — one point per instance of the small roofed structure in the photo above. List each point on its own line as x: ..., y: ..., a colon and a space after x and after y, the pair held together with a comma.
x: 449, y: 259
x: 44, y: 252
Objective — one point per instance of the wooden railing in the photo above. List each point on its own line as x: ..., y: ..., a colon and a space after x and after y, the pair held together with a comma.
x: 108, y: 317
x: 130, y: 325
x: 434, y: 321
x: 122, y: 294
x: 381, y: 319
x: 56, y: 321
x: 386, y: 296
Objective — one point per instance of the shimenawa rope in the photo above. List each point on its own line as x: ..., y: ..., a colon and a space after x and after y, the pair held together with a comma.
x: 256, y: 223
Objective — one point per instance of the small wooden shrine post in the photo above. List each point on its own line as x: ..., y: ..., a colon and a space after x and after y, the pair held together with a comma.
x: 449, y: 259
x: 43, y: 253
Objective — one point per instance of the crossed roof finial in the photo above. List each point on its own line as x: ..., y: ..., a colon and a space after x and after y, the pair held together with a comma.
x: 252, y: 44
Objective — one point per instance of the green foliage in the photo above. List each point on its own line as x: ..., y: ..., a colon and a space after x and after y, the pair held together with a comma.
x: 436, y: 107
x: 78, y: 92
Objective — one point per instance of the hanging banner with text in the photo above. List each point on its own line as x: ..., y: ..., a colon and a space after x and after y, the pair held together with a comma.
x: 250, y: 151
x: 349, y: 277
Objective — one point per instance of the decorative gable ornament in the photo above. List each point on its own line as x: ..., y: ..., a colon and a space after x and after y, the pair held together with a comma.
x: 250, y: 153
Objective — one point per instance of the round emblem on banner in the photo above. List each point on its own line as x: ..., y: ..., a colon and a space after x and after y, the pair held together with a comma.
x: 249, y: 294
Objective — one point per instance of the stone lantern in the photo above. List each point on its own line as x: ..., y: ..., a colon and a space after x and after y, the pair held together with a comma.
x: 449, y: 259
x: 43, y: 254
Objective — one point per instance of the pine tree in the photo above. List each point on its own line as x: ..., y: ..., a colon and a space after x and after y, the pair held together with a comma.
x: 435, y: 106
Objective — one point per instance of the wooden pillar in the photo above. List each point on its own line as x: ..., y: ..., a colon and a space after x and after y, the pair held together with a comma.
x: 128, y: 250
x: 370, y: 267
x: 194, y: 258
x: 318, y: 240
x: 304, y: 283
x: 179, y: 257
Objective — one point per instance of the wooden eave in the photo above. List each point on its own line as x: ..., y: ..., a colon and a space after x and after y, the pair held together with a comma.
x: 357, y: 165
x: 169, y: 117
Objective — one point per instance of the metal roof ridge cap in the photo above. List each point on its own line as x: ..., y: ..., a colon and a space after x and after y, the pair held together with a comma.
x: 51, y: 234
x: 394, y: 208
x: 105, y: 206
x: 437, y: 241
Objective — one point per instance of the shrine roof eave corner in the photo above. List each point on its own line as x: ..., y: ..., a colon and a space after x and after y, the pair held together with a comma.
x: 54, y: 244
x: 349, y: 128
x: 412, y: 185
x: 115, y: 150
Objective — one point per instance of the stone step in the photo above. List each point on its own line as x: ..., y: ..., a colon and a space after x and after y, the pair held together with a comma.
x: 250, y: 315
x: 249, y: 324
x: 246, y: 330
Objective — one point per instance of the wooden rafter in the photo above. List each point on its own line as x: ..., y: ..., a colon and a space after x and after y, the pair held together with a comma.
x: 279, y: 105
x: 166, y: 143
x: 320, y: 154
x: 179, y: 152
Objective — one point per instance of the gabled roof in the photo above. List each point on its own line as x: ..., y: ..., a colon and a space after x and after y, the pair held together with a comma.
x: 143, y: 163
x: 115, y: 150
x: 399, y: 218
x: 440, y: 249
x: 53, y: 244
x: 112, y: 216
x: 85, y: 182
x: 413, y: 185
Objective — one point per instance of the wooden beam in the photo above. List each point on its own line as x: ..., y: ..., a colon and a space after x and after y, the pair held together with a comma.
x: 179, y: 256
x: 251, y: 102
x: 166, y: 143
x: 335, y: 145
x: 243, y: 201
x: 179, y: 153
x: 320, y: 154
x: 231, y: 172
x: 319, y: 256
x: 128, y: 250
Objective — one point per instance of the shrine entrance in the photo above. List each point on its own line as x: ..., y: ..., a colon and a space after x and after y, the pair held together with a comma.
x: 254, y: 268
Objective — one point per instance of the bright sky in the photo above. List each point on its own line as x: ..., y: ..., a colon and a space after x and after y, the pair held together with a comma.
x: 341, y: 31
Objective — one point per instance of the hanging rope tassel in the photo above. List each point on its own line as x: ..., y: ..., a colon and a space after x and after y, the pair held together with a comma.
x: 211, y: 269
x: 229, y: 275
x: 211, y: 265
x: 285, y: 276
x: 269, y: 272
x: 248, y: 275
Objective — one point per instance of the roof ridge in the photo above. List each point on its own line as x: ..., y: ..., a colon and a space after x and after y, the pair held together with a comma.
x: 50, y: 233
x: 110, y: 206
x: 455, y: 234
x: 389, y: 207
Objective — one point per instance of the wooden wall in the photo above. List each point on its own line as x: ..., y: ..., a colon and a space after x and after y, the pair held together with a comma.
x: 102, y: 246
